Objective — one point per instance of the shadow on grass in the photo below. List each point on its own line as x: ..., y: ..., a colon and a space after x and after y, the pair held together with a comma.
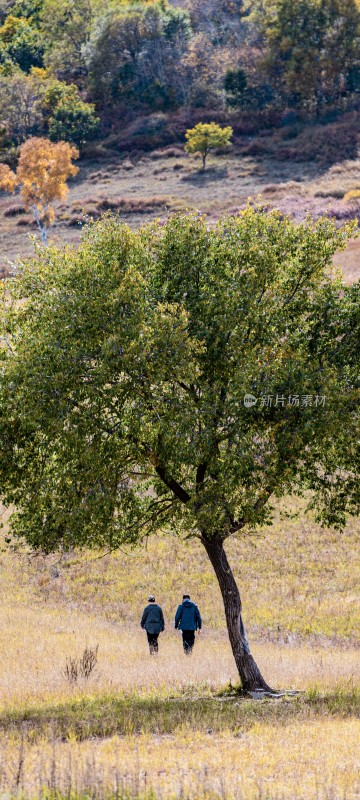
x: 203, y: 177
x: 107, y: 715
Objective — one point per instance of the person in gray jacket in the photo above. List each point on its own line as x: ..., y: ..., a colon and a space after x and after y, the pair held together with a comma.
x: 188, y: 620
x: 152, y: 621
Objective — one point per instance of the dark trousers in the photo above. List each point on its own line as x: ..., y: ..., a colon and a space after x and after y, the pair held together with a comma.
x: 188, y: 641
x: 153, y: 642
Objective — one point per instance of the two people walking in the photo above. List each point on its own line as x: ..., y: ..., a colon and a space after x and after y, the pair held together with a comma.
x: 187, y: 620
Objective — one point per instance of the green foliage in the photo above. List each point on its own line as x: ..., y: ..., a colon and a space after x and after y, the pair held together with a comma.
x: 134, y: 56
x: 73, y: 121
x: 65, y: 27
x: 240, y: 94
x: 235, y: 84
x: 204, y: 137
x: 353, y: 78
x: 21, y: 43
x: 123, y: 379
x: 19, y: 105
x: 28, y: 8
x: 7, y: 66
x: 38, y: 104
x: 313, y: 47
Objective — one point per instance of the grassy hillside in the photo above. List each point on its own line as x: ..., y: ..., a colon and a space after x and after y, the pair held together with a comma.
x: 142, y: 187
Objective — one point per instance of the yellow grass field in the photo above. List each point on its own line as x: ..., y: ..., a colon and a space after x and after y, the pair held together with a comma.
x: 317, y: 759
x: 36, y: 647
x: 176, y: 734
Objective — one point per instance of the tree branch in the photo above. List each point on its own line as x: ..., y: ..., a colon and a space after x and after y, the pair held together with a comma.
x: 172, y: 484
x: 190, y: 390
x: 8, y: 345
x: 200, y: 474
x: 258, y: 505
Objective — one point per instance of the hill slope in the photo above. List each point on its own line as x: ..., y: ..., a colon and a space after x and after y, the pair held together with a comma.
x: 144, y: 186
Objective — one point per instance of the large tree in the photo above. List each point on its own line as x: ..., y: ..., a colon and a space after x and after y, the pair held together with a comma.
x: 135, y: 55
x: 65, y: 28
x: 178, y: 378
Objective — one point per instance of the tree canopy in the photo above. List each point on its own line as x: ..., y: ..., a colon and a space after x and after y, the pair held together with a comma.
x: 142, y: 57
x: 38, y: 104
x: 134, y: 56
x: 178, y: 377
x: 312, y: 49
x: 21, y: 43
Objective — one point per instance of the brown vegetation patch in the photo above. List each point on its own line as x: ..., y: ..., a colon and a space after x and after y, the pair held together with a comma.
x: 318, y: 142
x: 167, y: 152
x: 257, y: 149
x: 136, y: 205
x: 98, y: 176
x: 24, y: 221
x: 324, y: 143
x: 80, y: 214
x: 281, y: 188
x: 14, y: 210
x: 127, y: 165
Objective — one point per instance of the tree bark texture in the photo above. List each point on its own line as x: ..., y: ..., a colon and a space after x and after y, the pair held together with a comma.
x: 250, y: 675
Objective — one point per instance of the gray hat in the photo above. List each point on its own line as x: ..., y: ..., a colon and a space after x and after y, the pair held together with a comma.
x: 151, y: 598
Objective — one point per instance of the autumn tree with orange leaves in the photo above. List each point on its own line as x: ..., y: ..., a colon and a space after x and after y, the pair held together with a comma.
x: 41, y: 175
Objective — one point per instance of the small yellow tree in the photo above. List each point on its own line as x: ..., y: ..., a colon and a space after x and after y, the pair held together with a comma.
x: 205, y: 136
x: 41, y: 175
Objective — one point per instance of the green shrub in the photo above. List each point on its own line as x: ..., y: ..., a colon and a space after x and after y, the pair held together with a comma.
x: 73, y: 121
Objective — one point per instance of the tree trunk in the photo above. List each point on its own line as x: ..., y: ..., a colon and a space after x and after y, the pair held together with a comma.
x: 42, y: 228
x: 250, y: 675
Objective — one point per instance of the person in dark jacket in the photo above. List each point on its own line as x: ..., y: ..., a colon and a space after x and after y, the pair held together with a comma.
x: 152, y: 621
x: 188, y: 620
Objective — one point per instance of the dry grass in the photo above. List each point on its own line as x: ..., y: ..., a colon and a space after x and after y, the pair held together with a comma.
x: 349, y: 261
x: 301, y: 605
x: 38, y: 641
x: 316, y: 761
x: 296, y: 579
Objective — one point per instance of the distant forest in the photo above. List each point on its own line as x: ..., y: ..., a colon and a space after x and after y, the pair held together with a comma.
x: 83, y: 70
